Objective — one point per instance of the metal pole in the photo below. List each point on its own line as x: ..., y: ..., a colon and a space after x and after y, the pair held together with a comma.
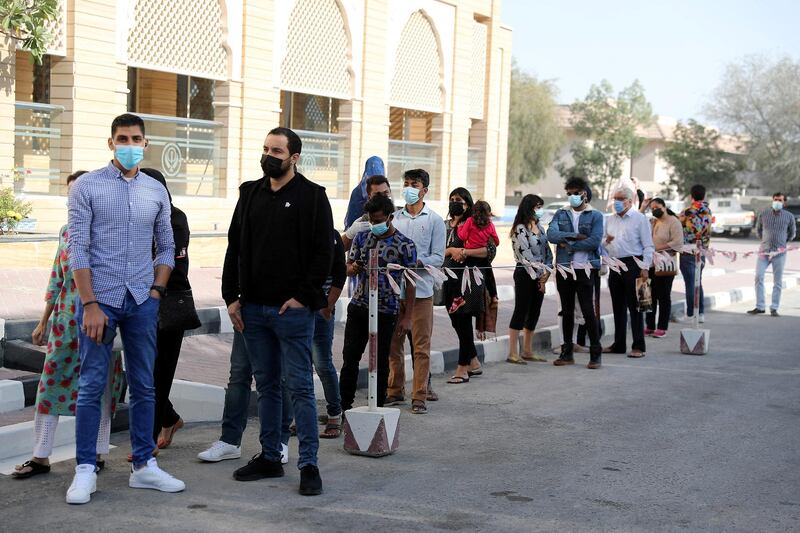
x: 373, y: 330
x: 697, y: 271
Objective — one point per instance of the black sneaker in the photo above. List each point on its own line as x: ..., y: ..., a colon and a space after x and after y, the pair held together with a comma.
x: 756, y: 311
x: 258, y: 468
x: 310, y: 482
x: 774, y: 312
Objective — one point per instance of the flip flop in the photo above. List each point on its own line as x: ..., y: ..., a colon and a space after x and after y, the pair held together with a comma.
x: 473, y: 373
x: 516, y: 361
x: 35, y: 470
x: 457, y: 380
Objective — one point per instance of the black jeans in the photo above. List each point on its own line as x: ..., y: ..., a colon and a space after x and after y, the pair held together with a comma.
x: 580, y: 336
x: 527, y: 301
x: 462, y: 324
x: 168, y: 346
x: 661, y: 287
x: 356, y: 337
x: 567, y: 290
x: 624, y: 301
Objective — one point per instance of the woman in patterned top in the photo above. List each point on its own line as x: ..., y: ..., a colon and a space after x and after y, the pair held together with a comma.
x: 696, y: 222
x: 530, y: 245
x: 58, y: 387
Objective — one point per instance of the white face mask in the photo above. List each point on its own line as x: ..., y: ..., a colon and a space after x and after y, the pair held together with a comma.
x: 777, y: 206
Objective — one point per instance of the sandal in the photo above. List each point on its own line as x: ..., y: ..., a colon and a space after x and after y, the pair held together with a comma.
x: 164, y: 443
x: 533, y: 357
x: 418, y: 407
x: 476, y: 372
x: 516, y: 361
x: 457, y: 380
x: 333, y: 429
x: 35, y: 470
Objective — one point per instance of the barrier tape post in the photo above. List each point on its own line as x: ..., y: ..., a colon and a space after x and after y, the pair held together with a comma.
x: 694, y: 341
x: 371, y: 430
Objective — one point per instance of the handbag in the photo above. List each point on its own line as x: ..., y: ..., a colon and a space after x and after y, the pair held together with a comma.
x: 177, y: 312
x: 644, y: 295
x: 666, y: 268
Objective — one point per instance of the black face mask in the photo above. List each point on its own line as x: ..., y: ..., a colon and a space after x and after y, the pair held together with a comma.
x: 456, y: 209
x: 658, y: 212
x: 272, y: 166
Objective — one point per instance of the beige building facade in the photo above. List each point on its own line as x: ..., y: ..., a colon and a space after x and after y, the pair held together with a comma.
x: 420, y: 83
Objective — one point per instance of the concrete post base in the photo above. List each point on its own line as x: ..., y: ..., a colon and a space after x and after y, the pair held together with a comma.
x: 694, y: 341
x: 371, y: 433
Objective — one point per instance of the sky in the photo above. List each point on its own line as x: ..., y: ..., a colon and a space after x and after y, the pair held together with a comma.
x: 678, y: 49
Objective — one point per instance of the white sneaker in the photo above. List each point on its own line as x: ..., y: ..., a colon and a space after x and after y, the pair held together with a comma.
x: 84, y: 484
x: 152, y: 477
x: 701, y: 318
x: 284, y: 453
x: 219, y: 451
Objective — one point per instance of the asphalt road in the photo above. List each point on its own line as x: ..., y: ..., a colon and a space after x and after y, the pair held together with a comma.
x: 669, y: 442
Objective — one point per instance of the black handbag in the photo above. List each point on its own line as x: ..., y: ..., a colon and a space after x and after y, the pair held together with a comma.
x: 177, y: 312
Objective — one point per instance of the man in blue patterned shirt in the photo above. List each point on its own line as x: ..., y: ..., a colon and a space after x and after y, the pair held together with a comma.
x: 115, y: 215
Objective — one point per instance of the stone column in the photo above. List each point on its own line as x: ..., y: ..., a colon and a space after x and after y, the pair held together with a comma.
x: 228, y: 111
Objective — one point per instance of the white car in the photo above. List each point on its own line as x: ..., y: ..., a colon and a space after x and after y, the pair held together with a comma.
x: 728, y: 217
x: 550, y: 210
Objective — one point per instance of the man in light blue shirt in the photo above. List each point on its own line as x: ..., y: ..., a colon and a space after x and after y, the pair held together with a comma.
x: 627, y: 236
x: 423, y: 226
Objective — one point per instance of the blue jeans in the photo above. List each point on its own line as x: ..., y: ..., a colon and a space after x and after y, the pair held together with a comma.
x: 279, y: 346
x: 138, y: 325
x: 322, y: 355
x: 237, y: 397
x: 687, y: 266
x: 777, y: 263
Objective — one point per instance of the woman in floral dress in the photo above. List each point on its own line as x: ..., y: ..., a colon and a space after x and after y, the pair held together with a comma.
x: 58, y: 387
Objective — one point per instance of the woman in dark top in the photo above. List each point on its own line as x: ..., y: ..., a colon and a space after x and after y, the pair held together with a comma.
x: 168, y: 342
x: 462, y: 308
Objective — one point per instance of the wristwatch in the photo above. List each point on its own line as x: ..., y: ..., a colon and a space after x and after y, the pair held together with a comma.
x: 159, y: 289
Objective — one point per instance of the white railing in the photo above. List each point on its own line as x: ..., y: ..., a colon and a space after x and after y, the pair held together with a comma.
x: 37, y: 148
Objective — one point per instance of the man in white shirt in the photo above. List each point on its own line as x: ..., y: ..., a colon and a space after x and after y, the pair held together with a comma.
x: 627, y: 236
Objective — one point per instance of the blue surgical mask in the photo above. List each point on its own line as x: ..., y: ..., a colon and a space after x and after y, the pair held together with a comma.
x: 538, y: 212
x: 379, y: 229
x: 575, y: 200
x: 777, y: 206
x: 128, y: 155
x: 619, y: 206
x: 410, y: 195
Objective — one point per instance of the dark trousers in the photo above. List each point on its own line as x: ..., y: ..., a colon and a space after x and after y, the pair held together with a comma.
x: 624, y: 301
x: 687, y: 266
x: 356, y: 337
x: 567, y: 290
x: 462, y: 324
x: 661, y: 287
x: 527, y: 301
x: 168, y: 346
x: 580, y: 336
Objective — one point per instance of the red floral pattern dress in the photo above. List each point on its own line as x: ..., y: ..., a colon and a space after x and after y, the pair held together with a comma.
x: 58, y: 386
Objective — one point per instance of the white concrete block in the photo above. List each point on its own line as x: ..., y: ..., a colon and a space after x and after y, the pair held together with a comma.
x: 12, y: 395
x: 17, y: 439
x: 556, y: 338
x: 495, y: 350
x: 437, y: 362
x: 2, y: 328
x: 721, y: 299
x: 505, y: 292
x: 408, y: 367
x: 197, y: 402
x: 225, y: 324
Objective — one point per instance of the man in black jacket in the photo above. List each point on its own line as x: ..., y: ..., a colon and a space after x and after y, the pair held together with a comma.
x: 278, y: 258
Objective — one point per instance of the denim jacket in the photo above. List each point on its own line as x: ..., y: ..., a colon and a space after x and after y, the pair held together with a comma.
x: 560, y: 231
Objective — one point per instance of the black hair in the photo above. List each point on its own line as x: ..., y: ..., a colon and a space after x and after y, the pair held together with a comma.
x: 377, y: 179
x: 467, y: 197
x: 379, y: 203
x: 588, y: 194
x: 75, y: 175
x: 159, y: 177
x: 779, y: 194
x: 294, y: 142
x: 576, y: 182
x: 698, y: 192
x: 524, y: 214
x: 417, y: 174
x: 125, y: 120
x: 640, y: 195
x: 482, y: 213
x: 670, y: 212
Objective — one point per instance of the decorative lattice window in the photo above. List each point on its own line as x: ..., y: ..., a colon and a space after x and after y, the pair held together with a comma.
x: 417, y: 79
x: 478, y: 77
x: 182, y: 36
x: 58, y: 32
x: 318, y: 45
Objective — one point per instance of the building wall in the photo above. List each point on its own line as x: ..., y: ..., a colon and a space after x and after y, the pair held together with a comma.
x: 90, y: 82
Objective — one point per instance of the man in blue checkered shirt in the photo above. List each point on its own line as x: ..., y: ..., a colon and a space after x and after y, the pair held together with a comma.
x: 116, y: 213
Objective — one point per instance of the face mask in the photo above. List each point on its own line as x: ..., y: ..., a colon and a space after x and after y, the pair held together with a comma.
x: 777, y: 206
x: 410, y: 195
x: 619, y: 206
x: 456, y: 209
x: 379, y: 229
x: 658, y: 213
x: 272, y: 166
x: 538, y: 212
x: 575, y: 200
x: 128, y: 155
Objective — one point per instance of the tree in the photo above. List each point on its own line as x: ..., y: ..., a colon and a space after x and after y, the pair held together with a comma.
x: 534, y: 134
x: 759, y: 100
x: 607, y: 125
x: 694, y: 157
x: 27, y: 21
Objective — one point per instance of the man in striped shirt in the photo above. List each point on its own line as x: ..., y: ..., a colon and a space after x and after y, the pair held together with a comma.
x: 775, y: 227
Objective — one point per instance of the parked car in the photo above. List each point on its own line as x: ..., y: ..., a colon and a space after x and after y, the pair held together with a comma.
x: 550, y: 210
x: 795, y: 211
x: 728, y: 217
